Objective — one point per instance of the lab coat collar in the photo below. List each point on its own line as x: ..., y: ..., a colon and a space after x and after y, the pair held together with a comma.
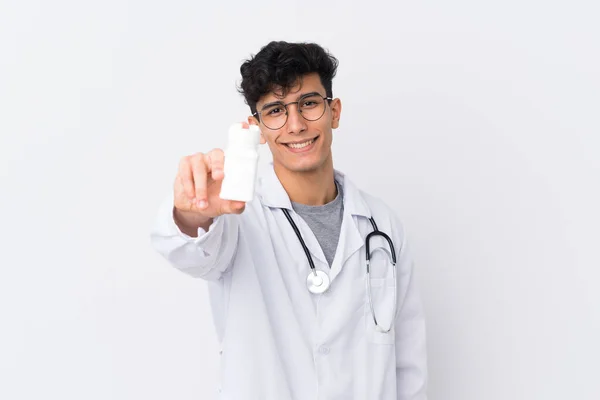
x: 273, y: 194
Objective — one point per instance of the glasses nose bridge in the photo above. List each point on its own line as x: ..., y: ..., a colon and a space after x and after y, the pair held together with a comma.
x: 297, y: 103
x: 296, y: 121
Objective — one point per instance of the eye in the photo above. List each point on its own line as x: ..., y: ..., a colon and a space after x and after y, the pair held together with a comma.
x: 274, y: 111
x: 310, y: 102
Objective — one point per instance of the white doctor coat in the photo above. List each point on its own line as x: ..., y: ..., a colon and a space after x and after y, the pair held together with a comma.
x: 278, y: 340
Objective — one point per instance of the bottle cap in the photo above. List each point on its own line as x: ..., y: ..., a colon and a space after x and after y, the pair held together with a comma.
x: 240, y: 137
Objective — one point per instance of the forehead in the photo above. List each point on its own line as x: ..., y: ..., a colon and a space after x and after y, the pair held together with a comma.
x: 305, y: 84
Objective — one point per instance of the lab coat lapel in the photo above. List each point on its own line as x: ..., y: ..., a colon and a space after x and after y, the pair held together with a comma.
x: 274, y: 195
x: 351, y: 238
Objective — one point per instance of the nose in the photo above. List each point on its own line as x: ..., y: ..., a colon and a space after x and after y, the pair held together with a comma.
x: 296, y: 124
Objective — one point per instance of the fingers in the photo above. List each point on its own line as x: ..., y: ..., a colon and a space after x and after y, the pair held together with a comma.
x: 194, y: 177
x: 198, y: 183
x: 216, y: 159
x: 186, y: 178
x: 199, y: 166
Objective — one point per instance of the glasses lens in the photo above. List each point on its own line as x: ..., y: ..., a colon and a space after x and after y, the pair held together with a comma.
x: 312, y: 107
x: 274, y: 116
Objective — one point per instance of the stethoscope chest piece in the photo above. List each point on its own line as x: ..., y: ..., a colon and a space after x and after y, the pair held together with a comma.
x: 317, y: 282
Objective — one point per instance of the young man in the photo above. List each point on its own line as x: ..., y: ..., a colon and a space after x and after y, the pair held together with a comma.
x: 299, y: 312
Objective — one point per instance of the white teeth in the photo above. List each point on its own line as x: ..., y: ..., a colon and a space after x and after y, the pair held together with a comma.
x: 300, y: 145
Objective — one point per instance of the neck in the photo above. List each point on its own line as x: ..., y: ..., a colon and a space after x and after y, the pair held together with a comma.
x: 313, y: 188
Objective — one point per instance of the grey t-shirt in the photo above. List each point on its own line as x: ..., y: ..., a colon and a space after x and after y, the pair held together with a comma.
x: 325, y: 221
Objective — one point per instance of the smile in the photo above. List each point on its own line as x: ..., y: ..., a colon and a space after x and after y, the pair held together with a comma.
x: 303, y: 146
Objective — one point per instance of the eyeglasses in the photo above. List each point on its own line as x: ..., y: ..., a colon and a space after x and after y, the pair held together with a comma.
x: 310, y: 106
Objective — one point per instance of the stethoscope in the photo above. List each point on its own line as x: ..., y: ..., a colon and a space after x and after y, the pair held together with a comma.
x: 318, y: 281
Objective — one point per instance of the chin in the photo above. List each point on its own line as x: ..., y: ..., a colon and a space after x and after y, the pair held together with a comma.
x: 303, y: 166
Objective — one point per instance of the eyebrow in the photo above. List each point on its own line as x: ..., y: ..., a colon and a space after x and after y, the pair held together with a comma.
x: 273, y: 103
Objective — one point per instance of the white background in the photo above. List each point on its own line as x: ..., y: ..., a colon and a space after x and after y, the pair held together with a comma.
x: 476, y: 121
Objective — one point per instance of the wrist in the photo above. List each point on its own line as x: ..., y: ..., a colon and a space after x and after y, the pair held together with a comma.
x: 189, y: 221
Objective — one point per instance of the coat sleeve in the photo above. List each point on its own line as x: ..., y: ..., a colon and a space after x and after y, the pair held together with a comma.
x: 207, y: 256
x: 411, y: 349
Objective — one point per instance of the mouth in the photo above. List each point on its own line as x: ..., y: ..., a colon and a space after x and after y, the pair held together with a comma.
x: 303, y: 146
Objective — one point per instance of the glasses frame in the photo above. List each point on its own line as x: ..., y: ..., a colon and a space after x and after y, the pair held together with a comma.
x: 287, y: 113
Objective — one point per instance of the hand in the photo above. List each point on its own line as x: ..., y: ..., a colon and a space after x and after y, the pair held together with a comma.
x: 198, y: 185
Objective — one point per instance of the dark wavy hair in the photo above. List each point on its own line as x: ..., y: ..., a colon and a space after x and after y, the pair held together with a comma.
x: 279, y: 65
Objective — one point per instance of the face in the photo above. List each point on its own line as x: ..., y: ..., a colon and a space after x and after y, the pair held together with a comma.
x: 300, y: 145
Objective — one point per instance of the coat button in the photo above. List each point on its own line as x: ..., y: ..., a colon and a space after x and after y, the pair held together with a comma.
x: 324, y: 350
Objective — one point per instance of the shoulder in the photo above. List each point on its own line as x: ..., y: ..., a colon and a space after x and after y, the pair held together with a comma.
x: 376, y: 203
x: 379, y: 206
x: 386, y: 216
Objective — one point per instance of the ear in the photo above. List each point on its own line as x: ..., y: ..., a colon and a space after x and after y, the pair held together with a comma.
x: 336, y: 112
x: 253, y: 121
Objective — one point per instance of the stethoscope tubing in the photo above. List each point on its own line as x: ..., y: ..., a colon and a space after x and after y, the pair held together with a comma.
x: 375, y: 232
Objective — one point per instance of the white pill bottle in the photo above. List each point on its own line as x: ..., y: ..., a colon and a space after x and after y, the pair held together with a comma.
x: 241, y: 163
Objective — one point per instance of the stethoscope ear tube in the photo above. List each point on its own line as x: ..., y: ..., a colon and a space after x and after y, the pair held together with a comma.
x: 377, y: 232
x: 395, y: 313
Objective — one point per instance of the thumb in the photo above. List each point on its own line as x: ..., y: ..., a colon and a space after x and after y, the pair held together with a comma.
x: 234, y: 207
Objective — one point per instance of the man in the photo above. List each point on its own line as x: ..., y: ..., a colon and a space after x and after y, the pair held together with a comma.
x: 296, y: 313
